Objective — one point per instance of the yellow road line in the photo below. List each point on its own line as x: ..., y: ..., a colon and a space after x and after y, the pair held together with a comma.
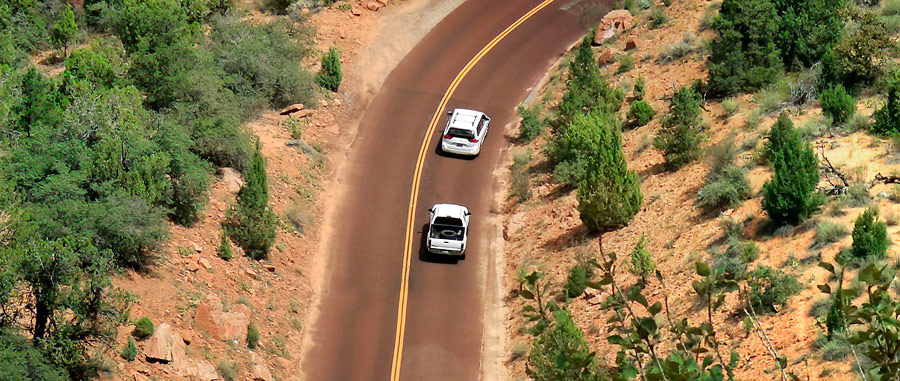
x: 414, y: 194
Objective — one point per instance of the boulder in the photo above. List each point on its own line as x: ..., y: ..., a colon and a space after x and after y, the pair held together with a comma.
x: 202, y: 371
x: 258, y: 369
x: 165, y: 346
x: 373, y: 6
x: 630, y: 45
x: 613, y: 23
x: 212, y: 319
x: 292, y: 109
x: 605, y: 58
x: 355, y: 11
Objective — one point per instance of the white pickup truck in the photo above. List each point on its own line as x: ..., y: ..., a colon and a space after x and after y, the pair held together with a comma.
x: 448, y: 229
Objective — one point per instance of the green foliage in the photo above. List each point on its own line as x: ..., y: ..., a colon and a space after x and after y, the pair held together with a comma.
x: 609, y: 195
x: 642, y: 263
x: 577, y: 280
x: 658, y: 18
x: 770, y: 288
x: 519, y: 177
x: 19, y: 360
x: 730, y: 106
x: 807, y: 30
x: 870, y: 238
x: 65, y: 29
x: 859, y: 54
x: 743, y: 55
x: 40, y: 102
x: 790, y: 195
x: 252, y: 336
x: 586, y: 89
x: 143, y: 328
x: 531, y: 126
x: 828, y: 232
x: 227, y: 370
x: 251, y: 223
x: 836, y: 319
x: 626, y: 63
x: 887, y: 118
x: 561, y: 353
x: 330, y: 75
x: 224, y: 250
x: 129, y: 353
x: 837, y: 104
x: 641, y: 113
x: 726, y: 189
x: 681, y: 136
x: 132, y: 228
x: 639, y: 89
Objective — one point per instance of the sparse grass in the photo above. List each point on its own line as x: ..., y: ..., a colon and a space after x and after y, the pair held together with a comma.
x: 645, y: 142
x: 296, y: 324
x: 894, y: 194
x: 857, y: 123
x: 298, y: 217
x: 815, y: 128
x: 709, y: 15
x: 754, y: 117
x: 729, y: 107
x: 294, y: 306
x: 519, y: 351
x: 252, y: 336
x: 828, y: 232
x: 243, y: 300
x: 281, y: 345
x: 774, y: 97
x: 678, y: 50
x: 835, y: 349
x: 820, y: 308
x: 227, y: 370
x: 658, y: 18
x: 891, y: 218
x: 858, y: 195
x: 520, y: 177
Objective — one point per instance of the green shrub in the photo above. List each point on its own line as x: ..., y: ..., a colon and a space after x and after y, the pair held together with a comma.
x: 887, y: 118
x: 774, y: 97
x: 641, y: 113
x: 586, y: 90
x: 227, y: 370
x: 224, y: 250
x: 815, y: 128
x: 806, y: 31
x: 251, y: 223
x: 858, y: 56
x: 837, y: 104
x: 727, y: 189
x: 677, y: 50
x: 639, y: 88
x: 828, y: 232
x: 252, y: 336
x: 65, y: 29
x: 790, y: 195
x: 681, y: 136
x: 743, y: 250
x: 626, y: 63
x: 330, y: 74
x: 129, y: 353
x: 658, y: 18
x: 870, y: 239
x: 132, y: 229
x: 770, y: 288
x: 729, y: 107
x: 609, y: 195
x: 576, y: 281
x: 531, y: 126
x: 560, y: 352
x: 642, y: 263
x: 835, y: 350
x: 836, y: 319
x: 743, y: 55
x: 19, y: 360
x: 143, y: 328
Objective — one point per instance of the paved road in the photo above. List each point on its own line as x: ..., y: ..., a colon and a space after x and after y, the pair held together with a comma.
x: 355, y: 333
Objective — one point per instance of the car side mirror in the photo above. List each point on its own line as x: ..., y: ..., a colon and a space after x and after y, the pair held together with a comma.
x: 450, y: 112
x: 431, y: 210
x: 468, y: 213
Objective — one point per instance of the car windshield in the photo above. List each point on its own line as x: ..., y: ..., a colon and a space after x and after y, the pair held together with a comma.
x: 447, y: 228
x: 461, y: 133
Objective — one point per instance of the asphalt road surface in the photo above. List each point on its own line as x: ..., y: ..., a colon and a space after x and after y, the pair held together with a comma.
x: 355, y: 332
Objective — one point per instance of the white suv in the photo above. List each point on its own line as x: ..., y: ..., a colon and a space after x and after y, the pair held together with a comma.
x: 448, y: 229
x: 465, y: 132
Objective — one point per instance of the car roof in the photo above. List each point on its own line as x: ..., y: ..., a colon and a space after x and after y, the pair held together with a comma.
x: 449, y: 210
x: 464, y: 118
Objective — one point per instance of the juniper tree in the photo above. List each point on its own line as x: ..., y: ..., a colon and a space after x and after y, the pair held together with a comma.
x: 251, y: 223
x: 609, y: 195
x: 743, y: 55
x: 681, y: 136
x: 790, y: 195
x: 586, y: 89
x: 870, y: 238
x: 65, y: 29
x: 330, y: 74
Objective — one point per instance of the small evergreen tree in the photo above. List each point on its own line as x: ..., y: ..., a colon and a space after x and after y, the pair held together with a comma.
x: 870, y: 237
x: 642, y: 263
x: 610, y: 195
x: 560, y: 352
x: 224, y: 250
x: 577, y: 280
x: 586, y: 89
x: 129, y: 353
x: 65, y: 29
x: 681, y: 136
x: 251, y: 223
x: 639, y: 88
x: 252, y: 336
x: 887, y: 118
x: 837, y: 104
x: 640, y: 113
x: 330, y: 74
x: 743, y: 55
x: 790, y: 195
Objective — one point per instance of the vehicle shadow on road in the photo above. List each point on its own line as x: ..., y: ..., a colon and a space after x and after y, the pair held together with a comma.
x: 438, y: 151
x: 425, y: 256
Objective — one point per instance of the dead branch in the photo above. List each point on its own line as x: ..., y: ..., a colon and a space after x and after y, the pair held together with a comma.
x: 889, y: 179
x: 831, y: 171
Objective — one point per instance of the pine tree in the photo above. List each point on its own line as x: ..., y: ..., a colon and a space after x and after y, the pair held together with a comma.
x: 330, y: 74
x: 870, y: 238
x: 586, y: 89
x: 251, y: 223
x: 790, y: 195
x: 744, y: 56
x: 65, y: 29
x: 681, y: 136
x: 609, y: 195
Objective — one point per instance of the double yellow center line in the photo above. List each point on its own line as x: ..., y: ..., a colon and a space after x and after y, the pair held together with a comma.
x: 417, y: 176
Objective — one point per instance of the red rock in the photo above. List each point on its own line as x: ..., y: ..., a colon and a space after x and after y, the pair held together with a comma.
x: 355, y: 11
x: 302, y: 114
x: 201, y: 371
x: 373, y: 6
x: 605, y: 58
x: 258, y: 370
x: 197, y: 247
x: 193, y: 266
x: 292, y: 109
x: 205, y: 263
x: 630, y: 45
x: 269, y: 268
x: 383, y: 2
x: 165, y: 346
x: 219, y: 324
x: 613, y: 23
